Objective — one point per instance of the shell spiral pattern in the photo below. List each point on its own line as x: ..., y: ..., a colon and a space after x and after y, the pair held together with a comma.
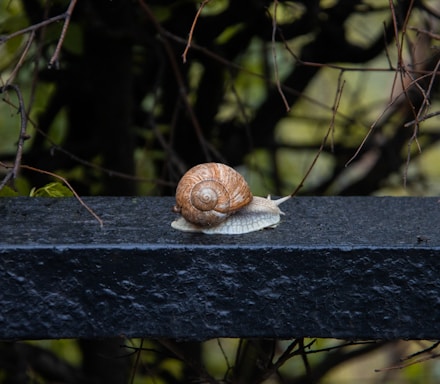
x: 208, y: 193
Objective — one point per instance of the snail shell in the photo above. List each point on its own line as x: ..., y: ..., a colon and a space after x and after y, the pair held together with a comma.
x: 208, y: 193
x: 215, y: 199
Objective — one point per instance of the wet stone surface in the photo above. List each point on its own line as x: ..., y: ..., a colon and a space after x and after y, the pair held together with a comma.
x: 340, y: 267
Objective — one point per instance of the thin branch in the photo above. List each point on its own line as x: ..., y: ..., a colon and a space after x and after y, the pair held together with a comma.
x: 370, y: 131
x: 231, y: 64
x: 425, y: 350
x: 81, y: 201
x: 423, y: 359
x: 225, y: 356
x: 32, y: 28
x: 108, y: 171
x: 402, y: 366
x: 55, y: 147
x: 285, y: 356
x: 191, y: 31
x: 405, y: 88
x: 21, y: 59
x: 194, y: 365
x: 136, y: 362
x: 331, y: 128
x: 387, y: 53
x: 426, y: 117
x: 274, y: 56
x: 67, y: 16
x: 305, y: 359
x: 23, y: 136
x: 392, y: 101
x: 417, y: 120
x: 425, y: 32
x: 374, y: 124
x: 179, y: 79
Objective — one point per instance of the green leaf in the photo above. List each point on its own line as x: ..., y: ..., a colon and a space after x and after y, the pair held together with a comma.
x: 54, y: 189
x: 8, y: 192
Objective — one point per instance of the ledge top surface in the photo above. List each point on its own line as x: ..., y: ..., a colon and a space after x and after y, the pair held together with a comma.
x: 144, y: 222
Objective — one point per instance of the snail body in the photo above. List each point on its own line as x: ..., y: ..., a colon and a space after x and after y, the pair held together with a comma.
x: 213, y: 198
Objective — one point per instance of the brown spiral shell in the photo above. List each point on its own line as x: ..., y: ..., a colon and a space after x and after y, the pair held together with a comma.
x: 208, y: 193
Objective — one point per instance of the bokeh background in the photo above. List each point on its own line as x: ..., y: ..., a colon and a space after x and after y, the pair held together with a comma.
x: 316, y: 97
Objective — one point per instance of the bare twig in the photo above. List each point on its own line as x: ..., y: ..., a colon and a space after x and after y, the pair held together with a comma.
x: 23, y: 136
x: 387, y: 53
x: 339, y: 346
x: 430, y: 34
x: 401, y: 70
x: 331, y: 128
x: 225, y: 357
x: 372, y: 127
x: 180, y: 81
x: 274, y: 56
x: 423, y: 118
x: 231, y: 64
x: 287, y: 354
x: 413, y: 355
x: 422, y: 109
x: 31, y: 28
x: 194, y: 365
x: 425, y: 350
x: 402, y: 366
x: 136, y: 362
x: 14, y: 72
x: 81, y: 201
x: 305, y: 359
x: 55, y: 147
x: 67, y: 16
x: 191, y: 31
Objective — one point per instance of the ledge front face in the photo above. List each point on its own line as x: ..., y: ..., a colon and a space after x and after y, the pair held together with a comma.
x: 353, y: 268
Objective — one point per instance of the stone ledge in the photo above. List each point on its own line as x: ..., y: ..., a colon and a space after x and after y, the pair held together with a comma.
x: 336, y: 267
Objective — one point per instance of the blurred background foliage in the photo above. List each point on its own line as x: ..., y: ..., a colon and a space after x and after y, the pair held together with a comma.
x: 265, y: 86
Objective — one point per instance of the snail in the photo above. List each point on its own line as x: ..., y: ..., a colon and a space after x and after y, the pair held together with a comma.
x: 213, y: 198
